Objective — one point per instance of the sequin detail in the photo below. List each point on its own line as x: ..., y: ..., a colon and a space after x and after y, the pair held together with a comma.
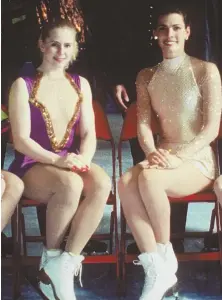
x: 57, y: 146
x: 182, y: 102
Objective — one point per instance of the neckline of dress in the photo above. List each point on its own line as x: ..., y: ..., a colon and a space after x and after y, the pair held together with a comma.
x: 171, y: 65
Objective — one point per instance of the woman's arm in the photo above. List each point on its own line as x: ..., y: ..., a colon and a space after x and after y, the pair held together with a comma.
x: 145, y: 135
x: 19, y: 115
x: 212, y: 101
x: 87, y: 124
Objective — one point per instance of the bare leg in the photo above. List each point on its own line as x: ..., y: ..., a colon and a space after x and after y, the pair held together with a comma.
x: 135, y: 211
x: 61, y: 190
x: 97, y: 187
x: 13, y: 188
x: 218, y: 188
x: 155, y: 185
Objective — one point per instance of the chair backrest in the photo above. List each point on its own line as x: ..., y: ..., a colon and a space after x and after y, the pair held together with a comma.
x: 103, y: 131
x: 129, y: 128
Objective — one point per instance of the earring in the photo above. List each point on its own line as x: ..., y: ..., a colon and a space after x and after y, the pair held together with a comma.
x: 155, y: 37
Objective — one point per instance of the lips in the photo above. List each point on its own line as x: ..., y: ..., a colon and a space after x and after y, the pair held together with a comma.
x: 59, y: 59
x: 169, y: 43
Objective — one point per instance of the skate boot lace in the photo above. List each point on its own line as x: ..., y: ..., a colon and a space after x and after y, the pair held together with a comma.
x: 78, y: 272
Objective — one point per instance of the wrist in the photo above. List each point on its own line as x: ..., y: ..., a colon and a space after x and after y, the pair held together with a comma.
x: 86, y: 159
x: 150, y: 152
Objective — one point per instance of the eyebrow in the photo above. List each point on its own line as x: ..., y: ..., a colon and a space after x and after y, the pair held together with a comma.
x: 164, y: 25
x: 54, y: 41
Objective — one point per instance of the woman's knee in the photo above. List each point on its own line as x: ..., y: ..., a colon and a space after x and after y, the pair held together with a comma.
x: 123, y: 184
x: 105, y: 184
x: 150, y: 178
x: 99, y: 182
x: 70, y: 184
x: 127, y: 184
x: 19, y: 187
x: 14, y: 185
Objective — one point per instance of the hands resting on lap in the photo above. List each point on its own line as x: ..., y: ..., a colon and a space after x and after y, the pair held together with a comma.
x: 161, y: 159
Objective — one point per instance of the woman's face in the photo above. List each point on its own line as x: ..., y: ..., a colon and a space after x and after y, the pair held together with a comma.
x: 58, y: 48
x: 172, y: 34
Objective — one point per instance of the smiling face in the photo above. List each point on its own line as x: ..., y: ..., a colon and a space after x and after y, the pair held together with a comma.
x: 172, y: 34
x: 58, y: 47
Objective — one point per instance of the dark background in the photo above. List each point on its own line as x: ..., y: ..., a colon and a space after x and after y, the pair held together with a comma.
x: 117, y: 38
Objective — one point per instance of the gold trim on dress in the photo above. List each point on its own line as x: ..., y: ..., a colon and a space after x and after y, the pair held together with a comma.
x: 57, y: 146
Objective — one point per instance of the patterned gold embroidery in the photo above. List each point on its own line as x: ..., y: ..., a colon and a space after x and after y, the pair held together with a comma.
x: 57, y: 147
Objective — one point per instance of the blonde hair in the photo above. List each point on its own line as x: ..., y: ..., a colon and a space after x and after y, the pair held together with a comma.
x: 60, y: 23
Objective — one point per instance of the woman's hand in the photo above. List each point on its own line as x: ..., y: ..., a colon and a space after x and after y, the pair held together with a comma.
x: 159, y: 157
x: 121, y: 95
x: 162, y: 159
x: 72, y: 161
x: 81, y: 164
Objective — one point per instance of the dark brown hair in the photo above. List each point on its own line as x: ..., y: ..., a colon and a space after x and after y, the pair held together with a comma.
x: 167, y: 9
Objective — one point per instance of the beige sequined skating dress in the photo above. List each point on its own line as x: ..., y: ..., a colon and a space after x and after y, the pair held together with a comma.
x: 175, y: 96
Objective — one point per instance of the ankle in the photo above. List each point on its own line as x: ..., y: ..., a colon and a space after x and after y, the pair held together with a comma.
x: 72, y: 253
x: 53, y: 252
x: 163, y: 246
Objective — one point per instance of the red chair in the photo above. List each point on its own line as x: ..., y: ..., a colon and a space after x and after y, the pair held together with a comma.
x: 103, y: 132
x: 129, y: 131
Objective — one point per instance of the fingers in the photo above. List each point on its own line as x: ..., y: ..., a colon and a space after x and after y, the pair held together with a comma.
x: 76, y: 163
x: 125, y: 95
x: 82, y: 170
x: 162, y: 156
x: 158, y: 160
x: 119, y: 99
x: 121, y: 96
x: 164, y: 152
x: 157, y: 167
x: 144, y: 164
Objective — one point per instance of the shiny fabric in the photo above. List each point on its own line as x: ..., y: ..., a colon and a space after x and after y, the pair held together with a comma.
x: 175, y: 95
x: 40, y: 132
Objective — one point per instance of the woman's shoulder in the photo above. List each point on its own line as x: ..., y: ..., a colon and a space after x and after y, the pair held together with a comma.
x: 146, y: 74
x: 79, y: 80
x: 23, y: 84
x: 19, y: 90
x: 203, y: 68
x: 19, y: 83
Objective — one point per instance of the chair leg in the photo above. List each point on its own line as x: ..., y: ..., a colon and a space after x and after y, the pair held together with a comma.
x: 111, y: 232
x: 122, y: 255
x: 23, y: 234
x: 212, y: 221
x: 218, y: 215
x: 16, y: 230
